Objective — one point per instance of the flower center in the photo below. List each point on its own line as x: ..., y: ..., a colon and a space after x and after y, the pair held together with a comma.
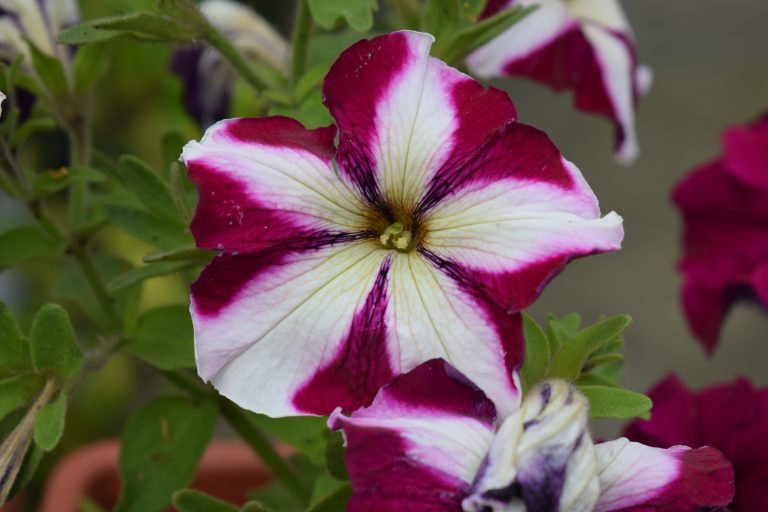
x: 397, y: 237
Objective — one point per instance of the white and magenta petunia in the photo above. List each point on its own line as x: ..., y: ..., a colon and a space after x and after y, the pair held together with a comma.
x: 439, y: 218
x: 581, y: 45
x: 432, y: 442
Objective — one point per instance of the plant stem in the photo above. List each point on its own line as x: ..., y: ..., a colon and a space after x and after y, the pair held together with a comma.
x: 94, y: 279
x: 300, y: 40
x: 262, y: 446
x: 250, y: 433
x: 229, y: 52
x: 78, y: 129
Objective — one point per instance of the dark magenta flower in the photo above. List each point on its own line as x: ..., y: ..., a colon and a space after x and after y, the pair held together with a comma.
x: 730, y: 417
x: 436, y: 218
x: 725, y: 211
x: 432, y: 442
x: 585, y: 46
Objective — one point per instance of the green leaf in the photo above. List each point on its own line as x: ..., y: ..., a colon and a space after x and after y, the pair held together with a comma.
x: 441, y: 18
x: 140, y: 274
x: 25, y: 243
x: 472, y: 37
x: 182, y: 191
x: 164, y: 338
x: 275, y: 496
x: 50, y: 71
x: 357, y: 13
x: 591, y: 379
x: 53, y: 181
x: 574, y: 353
x: 52, y: 342
x: 336, y: 502
x: 49, y: 424
x: 86, y: 33
x: 334, y: 458
x: 305, y: 433
x: 188, y: 253
x: 325, y: 485
x: 191, y: 500
x: 14, y: 349
x: 611, y: 402
x: 563, y: 328
x: 17, y: 391
x: 31, y: 126
x: 173, y: 143
x: 536, y: 352
x: 149, y: 188
x: 161, y: 447
x: 28, y: 469
x: 148, y: 227
x: 256, y: 506
x: 149, y: 26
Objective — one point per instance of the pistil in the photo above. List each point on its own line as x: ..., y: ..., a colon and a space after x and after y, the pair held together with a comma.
x: 397, y: 237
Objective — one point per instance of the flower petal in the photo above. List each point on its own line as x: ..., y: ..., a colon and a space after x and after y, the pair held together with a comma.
x: 517, y: 217
x: 583, y: 46
x: 542, y: 458
x: 273, y: 326
x: 403, y: 115
x: 268, y: 182
x: 635, y: 477
x: 419, y: 445
x: 746, y: 153
x: 435, y: 315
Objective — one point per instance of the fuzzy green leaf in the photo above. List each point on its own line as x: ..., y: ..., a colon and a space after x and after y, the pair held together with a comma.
x: 25, y: 243
x: 86, y: 33
x: 192, y: 500
x: 305, y: 433
x: 357, y: 13
x: 18, y: 391
x: 149, y: 26
x: 149, y: 188
x: 161, y: 447
x: 612, y: 402
x: 50, y: 71
x: 144, y: 272
x: 53, y: 344
x: 536, y: 352
x: 31, y: 126
x: 574, y: 353
x: 164, y: 338
x: 147, y: 227
x: 334, y: 458
x: 49, y: 424
x: 14, y: 348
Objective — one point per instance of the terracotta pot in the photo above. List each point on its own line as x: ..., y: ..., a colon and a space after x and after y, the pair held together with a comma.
x: 228, y: 470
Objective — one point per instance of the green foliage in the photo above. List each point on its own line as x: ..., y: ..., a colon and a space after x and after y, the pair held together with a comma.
x: 142, y: 25
x: 53, y: 181
x: 161, y: 447
x: 612, y: 402
x: 50, y: 71
x: 305, y: 433
x: 334, y: 458
x: 537, y: 353
x: 191, y: 500
x: 18, y: 391
x: 336, y: 502
x: 357, y: 13
x: 24, y: 243
x: 164, y: 338
x: 147, y: 227
x: 53, y: 344
x: 150, y: 189
x: 14, y: 348
x: 49, y: 424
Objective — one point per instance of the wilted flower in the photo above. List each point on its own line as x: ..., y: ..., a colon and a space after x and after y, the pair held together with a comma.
x: 725, y: 212
x: 439, y: 219
x: 38, y: 21
x: 730, y: 417
x: 431, y: 442
x: 580, y: 45
x: 207, y: 77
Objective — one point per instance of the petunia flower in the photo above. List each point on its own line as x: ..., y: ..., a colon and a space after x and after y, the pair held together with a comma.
x: 725, y: 214
x: 37, y: 21
x: 585, y: 46
x: 432, y: 442
x: 206, y: 76
x: 730, y: 417
x: 439, y: 219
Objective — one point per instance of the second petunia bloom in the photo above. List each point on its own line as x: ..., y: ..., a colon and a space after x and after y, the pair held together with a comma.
x: 439, y: 218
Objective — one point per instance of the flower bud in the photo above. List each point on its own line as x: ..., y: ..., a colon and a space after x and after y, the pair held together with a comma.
x: 542, y: 458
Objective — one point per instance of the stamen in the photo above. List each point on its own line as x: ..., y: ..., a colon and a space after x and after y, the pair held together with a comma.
x: 395, y: 237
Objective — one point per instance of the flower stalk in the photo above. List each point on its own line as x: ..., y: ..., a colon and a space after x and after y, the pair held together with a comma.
x: 300, y: 41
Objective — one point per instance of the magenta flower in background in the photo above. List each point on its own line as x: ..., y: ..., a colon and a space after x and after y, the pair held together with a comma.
x: 432, y: 442
x: 439, y: 218
x: 585, y: 46
x: 725, y: 213
x: 730, y: 417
